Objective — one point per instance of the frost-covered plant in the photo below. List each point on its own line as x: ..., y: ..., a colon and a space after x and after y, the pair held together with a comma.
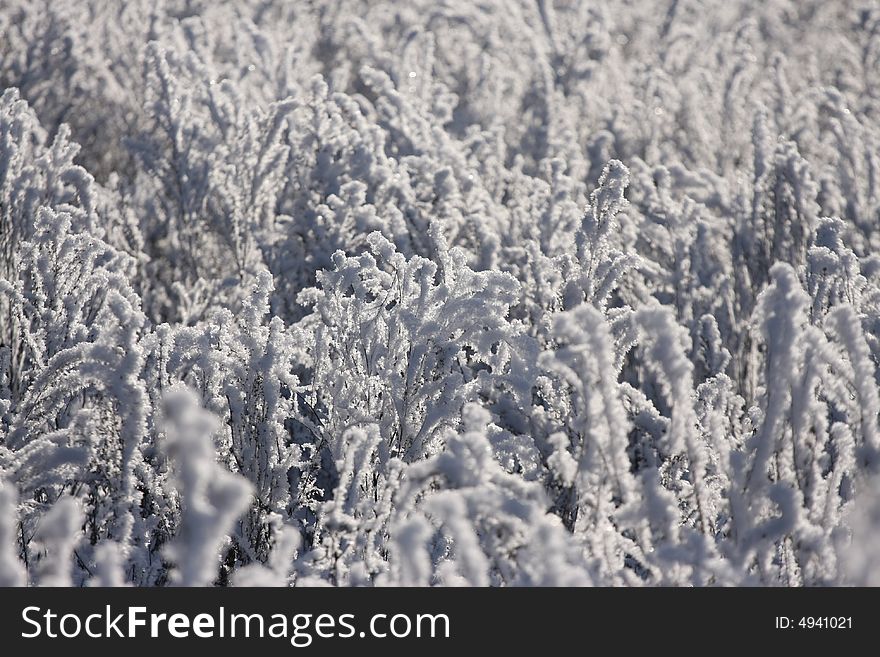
x: 78, y: 407
x: 375, y: 292
x: 211, y: 496
x: 243, y: 368
x: 406, y: 342
x: 483, y: 525
x: 212, y: 172
x: 12, y: 570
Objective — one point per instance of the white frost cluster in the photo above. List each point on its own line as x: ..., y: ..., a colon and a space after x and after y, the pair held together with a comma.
x: 376, y: 293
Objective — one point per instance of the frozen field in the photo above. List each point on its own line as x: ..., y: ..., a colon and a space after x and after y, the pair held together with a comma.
x: 439, y: 292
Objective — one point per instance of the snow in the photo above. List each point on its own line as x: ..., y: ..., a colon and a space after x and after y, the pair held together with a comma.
x: 506, y: 293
